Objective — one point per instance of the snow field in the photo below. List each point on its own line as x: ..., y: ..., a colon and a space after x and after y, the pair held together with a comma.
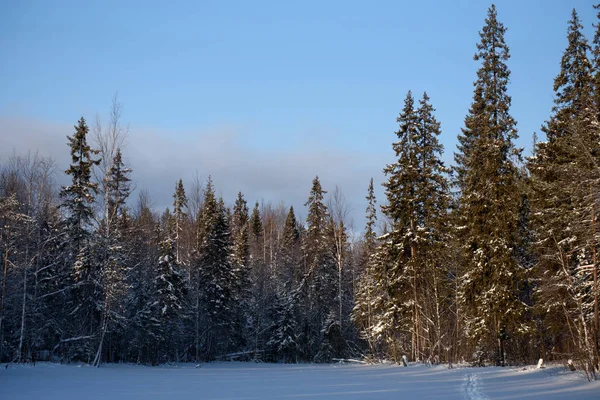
x: 247, y: 381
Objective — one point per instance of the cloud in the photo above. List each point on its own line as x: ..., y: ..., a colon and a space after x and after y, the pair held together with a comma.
x: 160, y: 157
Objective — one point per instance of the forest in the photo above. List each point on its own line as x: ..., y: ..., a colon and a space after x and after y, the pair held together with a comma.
x: 489, y: 261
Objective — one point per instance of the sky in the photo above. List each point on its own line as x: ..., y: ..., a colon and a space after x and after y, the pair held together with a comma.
x: 263, y: 95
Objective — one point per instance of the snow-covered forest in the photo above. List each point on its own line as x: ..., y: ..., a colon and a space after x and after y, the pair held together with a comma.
x: 491, y: 260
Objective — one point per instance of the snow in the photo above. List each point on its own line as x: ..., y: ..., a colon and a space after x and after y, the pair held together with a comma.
x: 237, y: 381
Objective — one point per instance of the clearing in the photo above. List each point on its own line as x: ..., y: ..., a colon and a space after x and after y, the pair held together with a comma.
x: 237, y: 381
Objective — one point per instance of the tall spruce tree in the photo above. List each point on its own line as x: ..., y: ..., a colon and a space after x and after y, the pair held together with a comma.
x: 320, y: 277
x: 112, y: 254
x: 402, y: 210
x: 489, y: 204
x: 260, y: 300
x: 77, y: 200
x: 432, y: 231
x: 79, y: 196
x: 180, y: 204
x: 370, y: 237
x: 565, y: 176
x: 216, y: 276
x: 418, y: 198
x: 119, y: 187
x: 241, y: 266
x: 362, y: 314
x: 170, y: 299
x: 143, y: 333
x: 284, y: 333
x: 290, y: 273
x: 573, y: 84
x: 241, y: 237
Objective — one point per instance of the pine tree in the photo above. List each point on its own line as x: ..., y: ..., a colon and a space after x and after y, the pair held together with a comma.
x: 489, y: 205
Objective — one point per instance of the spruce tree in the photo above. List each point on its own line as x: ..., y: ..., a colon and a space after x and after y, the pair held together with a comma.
x: 572, y: 86
x: 216, y: 276
x: 112, y: 253
x: 284, y: 339
x: 80, y: 264
x: 142, y: 239
x: 286, y: 310
x: 260, y: 301
x: 240, y: 216
x: 564, y: 177
x: 257, y: 232
x: 362, y: 314
x: 489, y: 204
x: 241, y: 266
x: 180, y: 204
x: 433, y: 232
x: 170, y: 299
x: 401, y: 209
x: 80, y: 195
x: 241, y: 237
x: 370, y: 236
x: 119, y: 187
x: 290, y: 273
x: 320, y: 277
x: 417, y: 194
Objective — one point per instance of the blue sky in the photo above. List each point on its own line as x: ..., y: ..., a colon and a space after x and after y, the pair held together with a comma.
x: 314, y: 85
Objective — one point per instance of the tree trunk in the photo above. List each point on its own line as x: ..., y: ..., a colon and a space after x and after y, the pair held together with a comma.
x: 103, y: 328
x: 23, y: 313
x: 6, y: 254
x: 197, y: 333
x: 595, y: 288
x: 24, y: 305
x: 416, y: 328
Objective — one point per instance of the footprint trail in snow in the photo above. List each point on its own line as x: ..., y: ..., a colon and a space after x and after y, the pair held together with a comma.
x: 472, y: 388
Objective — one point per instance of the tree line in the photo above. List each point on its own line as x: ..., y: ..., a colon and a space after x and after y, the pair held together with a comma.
x: 490, y: 261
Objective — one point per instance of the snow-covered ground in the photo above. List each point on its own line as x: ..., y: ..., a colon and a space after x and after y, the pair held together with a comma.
x: 237, y: 381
